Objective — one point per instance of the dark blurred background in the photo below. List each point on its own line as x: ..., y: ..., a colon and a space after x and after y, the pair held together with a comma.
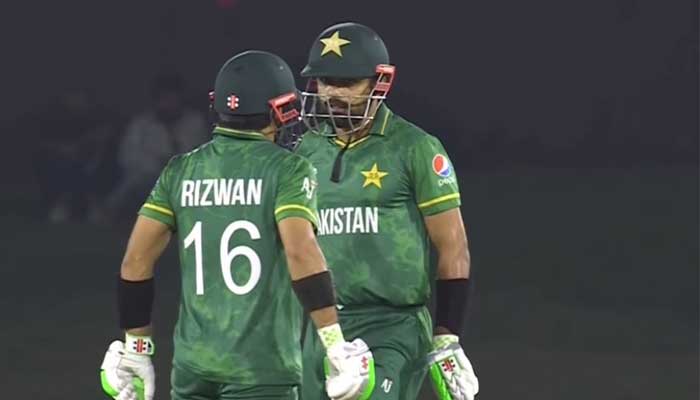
x: 573, y: 126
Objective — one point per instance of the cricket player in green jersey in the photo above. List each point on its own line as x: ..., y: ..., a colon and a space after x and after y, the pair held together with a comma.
x: 244, y: 213
x: 386, y: 189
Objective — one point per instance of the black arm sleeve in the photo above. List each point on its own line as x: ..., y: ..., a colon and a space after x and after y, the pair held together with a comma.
x: 451, y: 309
x: 315, y: 291
x: 135, y: 301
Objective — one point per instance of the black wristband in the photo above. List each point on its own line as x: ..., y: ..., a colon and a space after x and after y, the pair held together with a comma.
x: 451, y: 307
x: 135, y: 301
x: 315, y: 291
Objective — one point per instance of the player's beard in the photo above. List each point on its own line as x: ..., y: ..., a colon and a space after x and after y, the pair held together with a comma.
x: 345, y: 116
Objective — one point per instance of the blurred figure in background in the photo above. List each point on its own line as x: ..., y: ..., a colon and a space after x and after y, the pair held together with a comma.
x: 73, y: 163
x: 169, y: 127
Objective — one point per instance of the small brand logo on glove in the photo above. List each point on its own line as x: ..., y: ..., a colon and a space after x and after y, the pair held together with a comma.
x: 365, y: 364
x: 141, y: 346
x: 449, y: 364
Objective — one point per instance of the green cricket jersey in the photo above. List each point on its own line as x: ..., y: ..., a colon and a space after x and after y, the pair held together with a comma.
x: 371, y: 226
x: 239, y: 320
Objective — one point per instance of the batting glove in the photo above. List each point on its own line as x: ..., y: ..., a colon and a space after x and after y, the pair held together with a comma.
x: 127, y: 371
x: 349, y: 371
x: 450, y: 370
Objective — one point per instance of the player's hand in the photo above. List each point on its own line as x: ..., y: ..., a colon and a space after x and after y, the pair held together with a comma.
x: 128, y: 374
x: 349, y: 371
x: 450, y: 370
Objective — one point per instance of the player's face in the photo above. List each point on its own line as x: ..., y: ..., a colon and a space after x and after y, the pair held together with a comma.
x: 344, y: 94
x: 347, y: 105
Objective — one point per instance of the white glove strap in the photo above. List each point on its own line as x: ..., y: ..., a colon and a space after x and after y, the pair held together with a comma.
x: 142, y: 345
x: 331, y: 335
x: 442, y: 341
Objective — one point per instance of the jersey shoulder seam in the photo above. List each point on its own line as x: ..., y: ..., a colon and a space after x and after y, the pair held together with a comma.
x: 409, y: 130
x: 187, y: 155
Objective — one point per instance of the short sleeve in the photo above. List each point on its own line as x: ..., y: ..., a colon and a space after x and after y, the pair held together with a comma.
x: 434, y: 178
x: 157, y: 205
x: 296, y: 191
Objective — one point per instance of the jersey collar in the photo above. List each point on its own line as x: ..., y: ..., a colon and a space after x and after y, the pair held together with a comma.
x: 380, y: 125
x: 220, y: 130
x: 381, y: 121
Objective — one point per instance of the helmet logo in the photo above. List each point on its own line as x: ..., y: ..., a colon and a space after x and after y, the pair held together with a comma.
x: 232, y: 102
x: 333, y: 44
x: 441, y: 166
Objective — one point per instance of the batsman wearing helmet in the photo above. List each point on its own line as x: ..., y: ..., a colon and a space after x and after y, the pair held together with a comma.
x: 244, y: 211
x: 386, y: 190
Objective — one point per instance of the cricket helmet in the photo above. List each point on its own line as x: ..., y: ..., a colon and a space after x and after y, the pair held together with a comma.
x: 345, y: 52
x: 257, y: 82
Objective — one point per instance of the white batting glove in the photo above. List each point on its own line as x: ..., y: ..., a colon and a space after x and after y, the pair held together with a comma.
x: 450, y: 370
x: 349, y: 371
x: 127, y: 371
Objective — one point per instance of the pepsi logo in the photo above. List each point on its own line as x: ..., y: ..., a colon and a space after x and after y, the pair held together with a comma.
x: 441, y: 166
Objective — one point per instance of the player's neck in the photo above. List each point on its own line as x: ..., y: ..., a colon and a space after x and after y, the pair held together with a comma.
x: 269, y: 132
x: 346, y: 137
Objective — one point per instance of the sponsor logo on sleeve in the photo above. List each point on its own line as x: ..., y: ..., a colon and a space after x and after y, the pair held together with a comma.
x: 443, y: 169
x: 441, y: 166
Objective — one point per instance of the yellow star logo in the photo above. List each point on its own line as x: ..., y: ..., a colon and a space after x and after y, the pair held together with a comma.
x: 332, y: 44
x: 373, y: 176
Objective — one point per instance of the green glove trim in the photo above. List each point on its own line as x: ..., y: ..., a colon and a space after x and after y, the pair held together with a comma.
x: 112, y: 392
x: 370, y: 385
x: 138, y: 385
x: 439, y: 384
